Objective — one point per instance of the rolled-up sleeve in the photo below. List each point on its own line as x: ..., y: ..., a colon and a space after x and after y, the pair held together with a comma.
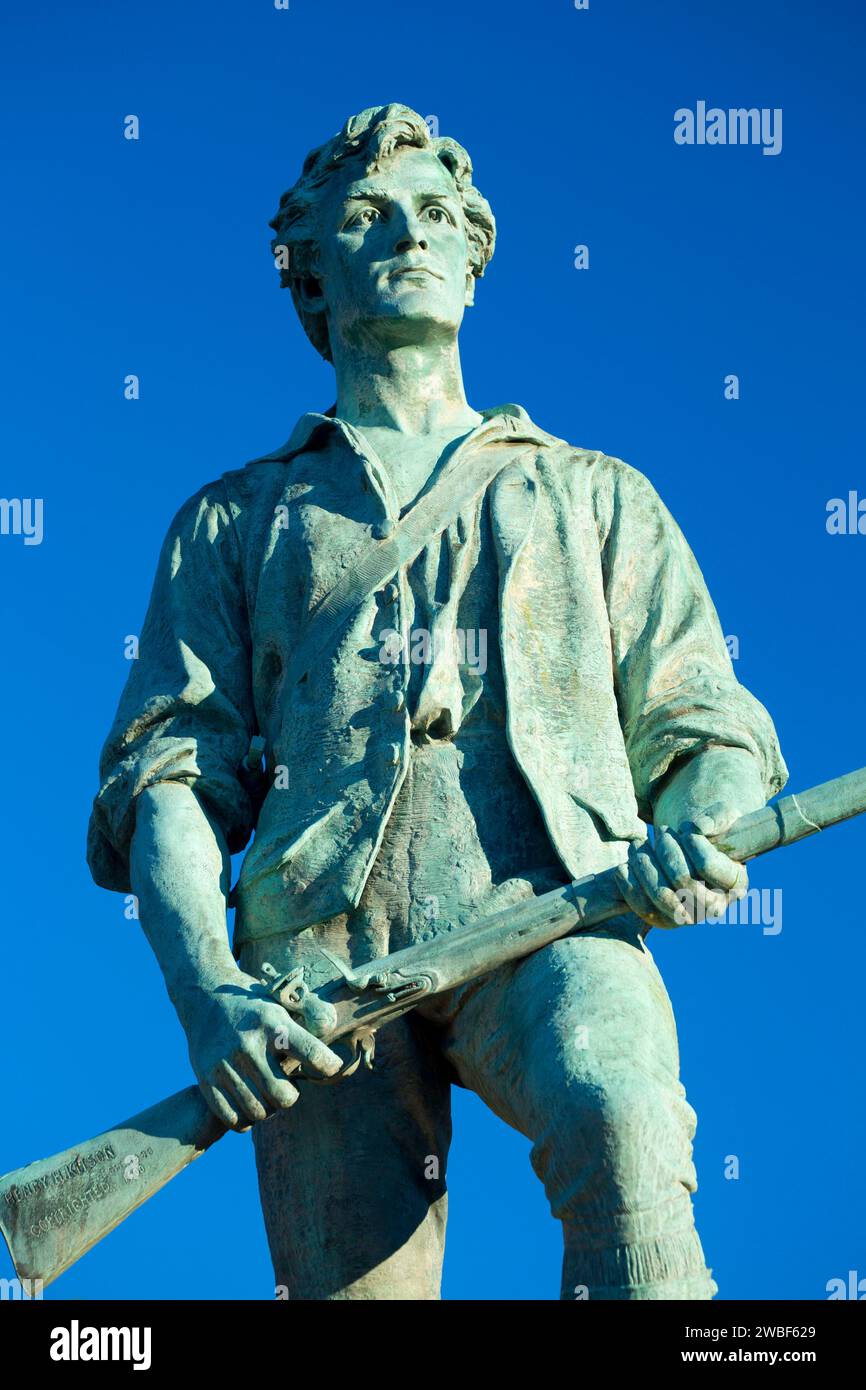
x: 186, y: 712
x: 675, y: 683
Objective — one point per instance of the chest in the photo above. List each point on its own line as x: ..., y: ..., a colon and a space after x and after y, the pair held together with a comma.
x: 409, y: 460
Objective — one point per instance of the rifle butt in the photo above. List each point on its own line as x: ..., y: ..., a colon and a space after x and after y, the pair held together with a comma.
x: 54, y: 1210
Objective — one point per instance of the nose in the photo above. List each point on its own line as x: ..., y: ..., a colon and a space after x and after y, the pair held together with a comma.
x: 409, y: 242
x: 410, y: 236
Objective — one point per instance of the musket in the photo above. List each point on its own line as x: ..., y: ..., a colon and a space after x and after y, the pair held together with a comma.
x: 54, y: 1210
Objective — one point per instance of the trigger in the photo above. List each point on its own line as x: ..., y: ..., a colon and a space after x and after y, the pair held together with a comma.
x: 365, y: 1050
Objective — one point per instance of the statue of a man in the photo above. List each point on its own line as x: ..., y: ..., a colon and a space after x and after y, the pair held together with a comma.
x: 544, y: 676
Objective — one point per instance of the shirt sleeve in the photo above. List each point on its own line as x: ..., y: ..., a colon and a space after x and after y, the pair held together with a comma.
x: 186, y: 712
x: 675, y: 682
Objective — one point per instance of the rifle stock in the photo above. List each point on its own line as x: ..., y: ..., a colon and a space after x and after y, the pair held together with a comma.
x: 53, y: 1211
x: 56, y: 1209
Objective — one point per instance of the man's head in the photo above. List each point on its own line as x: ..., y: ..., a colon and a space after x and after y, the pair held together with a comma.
x: 383, y: 233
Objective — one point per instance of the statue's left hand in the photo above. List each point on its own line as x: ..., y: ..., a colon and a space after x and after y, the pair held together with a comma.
x: 682, y: 877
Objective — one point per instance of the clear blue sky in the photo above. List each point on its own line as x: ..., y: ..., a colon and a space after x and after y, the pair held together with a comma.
x: 152, y: 258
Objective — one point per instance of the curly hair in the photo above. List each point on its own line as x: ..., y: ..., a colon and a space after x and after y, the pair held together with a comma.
x: 372, y: 136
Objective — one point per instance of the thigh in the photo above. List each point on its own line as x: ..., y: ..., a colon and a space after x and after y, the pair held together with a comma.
x: 352, y: 1178
x: 586, y: 999
x: 576, y: 1047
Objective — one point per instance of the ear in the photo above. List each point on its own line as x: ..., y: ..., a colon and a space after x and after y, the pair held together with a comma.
x: 309, y: 291
x: 469, y: 297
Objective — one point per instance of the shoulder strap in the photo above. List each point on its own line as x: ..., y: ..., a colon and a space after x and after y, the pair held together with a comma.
x: 431, y: 515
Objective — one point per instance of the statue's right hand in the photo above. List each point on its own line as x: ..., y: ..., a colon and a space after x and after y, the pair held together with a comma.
x: 241, y: 1042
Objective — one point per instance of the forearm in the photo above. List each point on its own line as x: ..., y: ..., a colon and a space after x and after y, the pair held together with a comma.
x: 179, y: 868
x: 242, y: 1043
x: 723, y: 777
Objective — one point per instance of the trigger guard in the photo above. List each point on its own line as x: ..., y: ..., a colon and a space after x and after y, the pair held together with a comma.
x: 362, y: 1049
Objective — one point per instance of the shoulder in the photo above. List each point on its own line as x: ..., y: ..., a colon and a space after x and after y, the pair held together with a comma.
x: 201, y: 532
x: 605, y: 474
x: 603, y: 470
x: 255, y: 485
x: 216, y: 506
x: 604, y: 481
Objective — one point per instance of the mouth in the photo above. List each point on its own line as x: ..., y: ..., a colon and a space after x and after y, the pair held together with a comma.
x: 412, y: 271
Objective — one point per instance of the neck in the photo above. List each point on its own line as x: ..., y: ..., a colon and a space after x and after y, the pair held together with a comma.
x: 412, y: 388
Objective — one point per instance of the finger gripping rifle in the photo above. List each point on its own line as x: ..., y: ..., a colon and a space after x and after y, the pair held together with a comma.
x: 54, y: 1210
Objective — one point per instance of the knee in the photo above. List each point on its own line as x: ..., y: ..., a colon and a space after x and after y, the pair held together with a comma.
x: 615, y: 1142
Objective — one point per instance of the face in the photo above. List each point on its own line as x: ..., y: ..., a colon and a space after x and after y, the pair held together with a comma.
x: 393, y: 254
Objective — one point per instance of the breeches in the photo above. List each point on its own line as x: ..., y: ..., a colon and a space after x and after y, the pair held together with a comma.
x: 575, y: 1047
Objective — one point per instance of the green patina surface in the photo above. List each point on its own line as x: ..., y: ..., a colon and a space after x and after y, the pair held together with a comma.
x: 410, y: 782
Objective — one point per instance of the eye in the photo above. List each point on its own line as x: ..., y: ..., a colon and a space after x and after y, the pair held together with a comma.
x: 365, y: 217
x: 435, y: 213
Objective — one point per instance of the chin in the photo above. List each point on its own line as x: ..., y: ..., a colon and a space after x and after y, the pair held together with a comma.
x: 417, y: 302
x: 422, y: 322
